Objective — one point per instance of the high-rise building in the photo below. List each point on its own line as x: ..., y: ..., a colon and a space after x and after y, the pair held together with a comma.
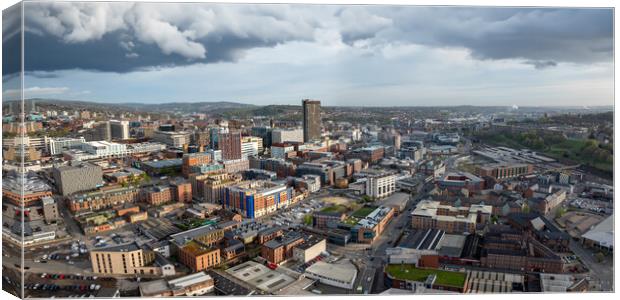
x: 264, y: 133
x: 119, y: 129
x: 99, y: 132
x: 230, y: 144
x: 312, y: 119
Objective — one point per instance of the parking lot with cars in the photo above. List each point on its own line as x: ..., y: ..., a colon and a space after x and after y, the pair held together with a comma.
x: 66, y: 285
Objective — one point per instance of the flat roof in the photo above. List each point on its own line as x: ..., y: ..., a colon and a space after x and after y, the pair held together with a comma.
x: 183, y: 237
x: 153, y: 287
x: 260, y: 276
x: 342, y: 270
x: 603, y: 233
x: 120, y: 248
x: 189, y: 280
x: 164, y: 163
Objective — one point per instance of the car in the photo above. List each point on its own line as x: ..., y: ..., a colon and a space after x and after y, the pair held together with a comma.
x: 43, y: 275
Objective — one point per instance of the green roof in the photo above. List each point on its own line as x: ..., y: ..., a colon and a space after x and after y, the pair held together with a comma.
x: 364, y: 211
x: 412, y: 273
x: 351, y: 221
x: 334, y: 208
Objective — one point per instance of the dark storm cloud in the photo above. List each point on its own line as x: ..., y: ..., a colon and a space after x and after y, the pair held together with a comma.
x: 532, y: 34
x: 123, y: 37
x: 539, y: 65
x: 11, y: 41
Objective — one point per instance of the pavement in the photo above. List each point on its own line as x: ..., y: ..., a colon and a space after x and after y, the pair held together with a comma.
x: 370, y: 258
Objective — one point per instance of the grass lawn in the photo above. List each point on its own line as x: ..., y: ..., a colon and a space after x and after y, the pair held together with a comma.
x: 410, y: 272
x: 364, y: 211
x: 334, y: 208
x: 573, y: 148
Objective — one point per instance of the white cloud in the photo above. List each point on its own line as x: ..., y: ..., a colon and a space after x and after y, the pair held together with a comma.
x: 34, y: 91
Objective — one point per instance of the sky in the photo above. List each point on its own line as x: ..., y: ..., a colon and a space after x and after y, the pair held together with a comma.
x: 367, y: 55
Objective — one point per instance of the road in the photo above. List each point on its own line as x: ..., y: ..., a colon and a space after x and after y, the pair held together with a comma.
x: 601, y: 273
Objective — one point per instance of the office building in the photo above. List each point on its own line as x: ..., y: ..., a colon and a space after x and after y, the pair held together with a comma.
x: 78, y: 178
x: 282, y: 150
x: 100, y: 131
x: 370, y: 154
x: 457, y: 181
x: 258, y: 140
x: 129, y: 259
x: 504, y: 170
x: 57, y: 145
x: 119, y: 129
x: 294, y: 135
x: 380, y: 184
x: 327, y: 219
x: 105, y: 149
x: 370, y: 227
x: 230, y: 145
x: 311, y: 119
x: 249, y: 148
x: 174, y: 139
x: 264, y: 133
x: 451, y: 219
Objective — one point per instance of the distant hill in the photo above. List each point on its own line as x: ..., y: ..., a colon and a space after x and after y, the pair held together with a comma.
x: 181, y: 107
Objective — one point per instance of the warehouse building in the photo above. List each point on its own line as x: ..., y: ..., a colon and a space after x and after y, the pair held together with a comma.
x: 340, y: 274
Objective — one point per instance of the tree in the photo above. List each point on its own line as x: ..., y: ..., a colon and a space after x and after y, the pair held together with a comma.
x: 526, y: 208
x: 599, y: 257
x: 308, y: 219
x: 560, y: 212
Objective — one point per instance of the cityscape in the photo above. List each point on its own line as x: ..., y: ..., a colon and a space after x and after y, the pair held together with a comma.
x: 299, y: 195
